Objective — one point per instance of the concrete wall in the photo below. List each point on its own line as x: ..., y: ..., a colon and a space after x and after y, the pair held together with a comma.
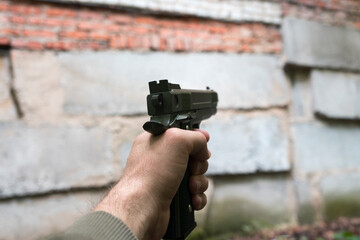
x: 73, y: 81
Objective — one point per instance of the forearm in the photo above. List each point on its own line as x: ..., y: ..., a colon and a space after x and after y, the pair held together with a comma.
x: 97, y: 226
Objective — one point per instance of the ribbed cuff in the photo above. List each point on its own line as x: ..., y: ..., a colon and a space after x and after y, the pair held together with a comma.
x: 101, y: 226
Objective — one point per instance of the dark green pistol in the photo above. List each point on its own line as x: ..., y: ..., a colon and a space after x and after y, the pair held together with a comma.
x: 170, y: 106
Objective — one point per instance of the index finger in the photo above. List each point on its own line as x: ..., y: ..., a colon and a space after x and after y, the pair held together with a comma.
x: 199, y: 150
x: 206, y: 134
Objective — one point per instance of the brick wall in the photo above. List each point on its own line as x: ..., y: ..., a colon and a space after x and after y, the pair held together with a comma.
x: 73, y: 81
x: 28, y: 25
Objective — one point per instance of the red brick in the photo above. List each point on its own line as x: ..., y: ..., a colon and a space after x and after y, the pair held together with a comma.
x: 118, y: 42
x: 38, y: 33
x: 4, y: 7
x: 17, y: 19
x: 3, y: 20
x: 130, y: 42
x: 113, y: 28
x: 181, y: 33
x: 89, y: 26
x: 60, y: 12
x: 35, y: 45
x: 125, y: 29
x: 230, y: 39
x: 172, y: 24
x: 12, y: 32
x: 146, y: 42
x: 154, y: 42
x: 245, y: 48
x: 251, y: 40
x: 4, y: 41
x: 277, y: 48
x: 357, y: 24
x: 60, y: 45
x: 179, y: 45
x: 18, y: 43
x: 141, y: 30
x: 146, y: 20
x: 18, y: 9
x: 230, y: 48
x: 123, y: 42
x: 162, y: 44
x: 68, y: 23
x: 120, y: 18
x: 35, y: 20
x: 195, y: 25
x: 52, y: 22
x: 321, y: 3
x: 84, y: 26
x: 74, y: 35
x: 166, y: 32
x: 99, y: 36
x: 135, y: 42
x: 24, y: 9
x: 170, y: 44
x: 91, y: 15
x: 218, y: 29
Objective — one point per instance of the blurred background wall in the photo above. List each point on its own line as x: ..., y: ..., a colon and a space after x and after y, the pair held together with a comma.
x: 73, y: 80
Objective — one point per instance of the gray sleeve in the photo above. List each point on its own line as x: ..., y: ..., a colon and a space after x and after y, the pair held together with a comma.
x: 97, y: 226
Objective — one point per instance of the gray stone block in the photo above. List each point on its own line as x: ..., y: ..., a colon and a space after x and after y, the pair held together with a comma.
x: 247, y: 143
x: 341, y: 193
x: 314, y: 44
x: 36, y: 218
x: 7, y: 107
x: 320, y: 147
x: 246, y: 204
x: 109, y: 83
x: 306, y: 211
x: 36, y: 80
x: 336, y: 94
x: 38, y: 159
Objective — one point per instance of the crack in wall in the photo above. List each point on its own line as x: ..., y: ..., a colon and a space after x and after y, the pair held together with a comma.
x: 13, y: 92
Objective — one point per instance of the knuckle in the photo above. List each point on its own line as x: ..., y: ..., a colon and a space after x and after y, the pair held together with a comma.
x: 175, y: 135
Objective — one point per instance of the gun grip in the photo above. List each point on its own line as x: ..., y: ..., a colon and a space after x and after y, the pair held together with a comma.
x: 182, y: 220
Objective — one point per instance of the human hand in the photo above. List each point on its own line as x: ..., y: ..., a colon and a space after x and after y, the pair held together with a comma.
x: 154, y: 170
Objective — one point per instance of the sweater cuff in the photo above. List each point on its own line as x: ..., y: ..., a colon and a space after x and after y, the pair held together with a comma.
x: 101, y: 225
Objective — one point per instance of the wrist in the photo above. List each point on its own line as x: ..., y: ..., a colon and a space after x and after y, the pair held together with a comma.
x: 134, y: 206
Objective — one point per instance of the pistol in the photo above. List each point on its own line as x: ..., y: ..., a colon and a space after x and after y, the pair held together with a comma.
x: 170, y: 106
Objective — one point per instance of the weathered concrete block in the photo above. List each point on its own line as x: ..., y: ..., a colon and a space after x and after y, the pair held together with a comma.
x: 42, y: 216
x: 38, y: 159
x: 247, y: 143
x: 336, y: 94
x: 341, y: 193
x: 245, y: 204
x: 7, y: 107
x: 109, y: 83
x: 320, y: 147
x: 36, y: 80
x: 306, y: 212
x: 313, y: 44
x: 219, y: 9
